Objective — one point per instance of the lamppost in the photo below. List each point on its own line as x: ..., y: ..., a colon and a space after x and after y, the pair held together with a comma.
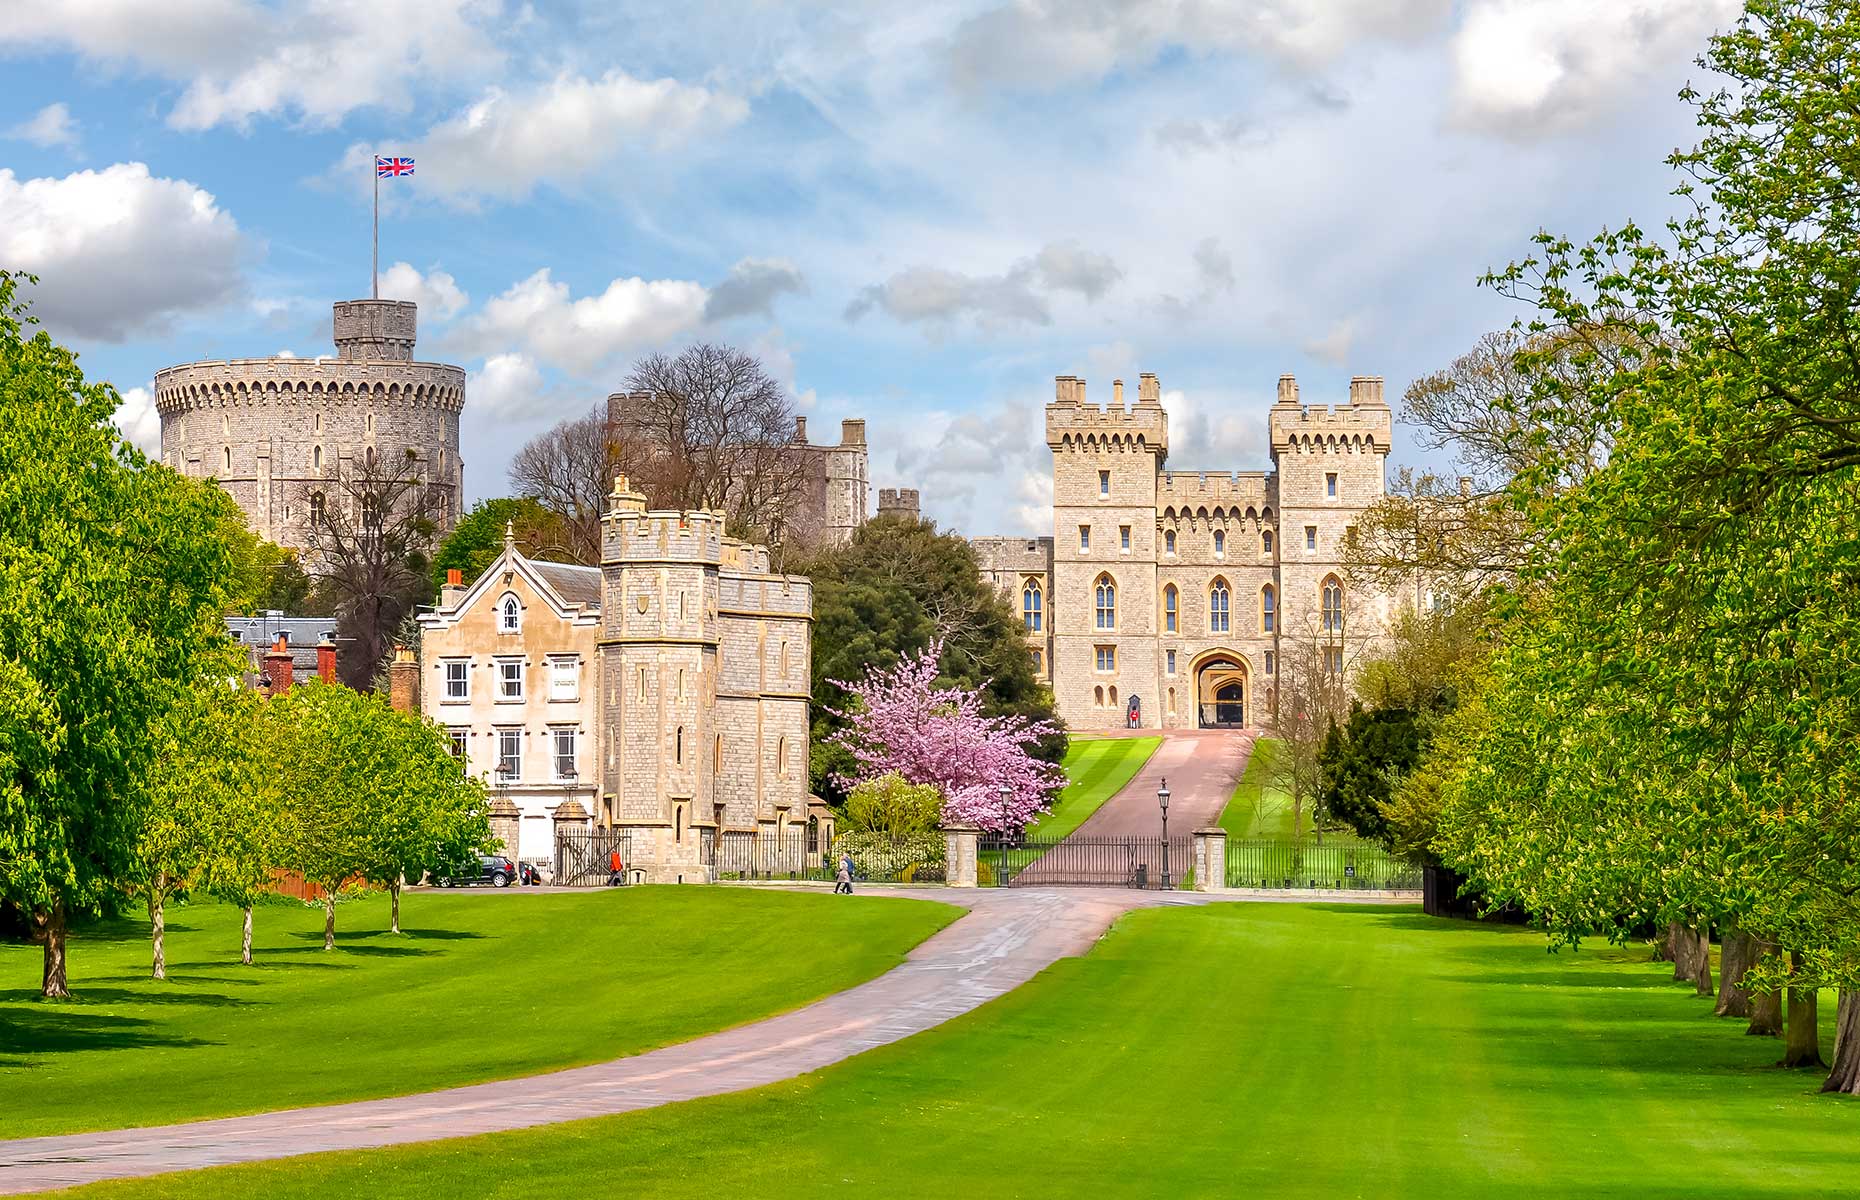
x: 1006, y: 793
x: 1162, y: 802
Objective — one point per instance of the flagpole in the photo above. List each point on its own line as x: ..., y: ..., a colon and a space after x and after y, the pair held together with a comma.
x: 374, y: 276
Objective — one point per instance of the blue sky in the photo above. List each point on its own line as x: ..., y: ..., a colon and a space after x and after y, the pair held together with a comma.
x: 916, y: 214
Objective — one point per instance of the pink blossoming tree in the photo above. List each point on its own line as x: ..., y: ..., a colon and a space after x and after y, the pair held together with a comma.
x: 899, y: 720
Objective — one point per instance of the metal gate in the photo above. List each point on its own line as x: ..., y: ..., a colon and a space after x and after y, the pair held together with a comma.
x: 584, y: 857
x: 1152, y: 863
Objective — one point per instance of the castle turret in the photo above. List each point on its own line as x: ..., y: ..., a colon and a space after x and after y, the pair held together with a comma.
x: 375, y: 330
x: 898, y: 502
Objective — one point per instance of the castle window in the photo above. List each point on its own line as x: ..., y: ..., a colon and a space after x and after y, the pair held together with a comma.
x: 1107, y: 658
x: 1332, y: 597
x: 458, y: 679
x: 1039, y: 660
x: 371, y: 422
x: 316, y: 459
x: 1267, y: 606
x: 1172, y: 702
x: 678, y: 822
x: 1169, y: 541
x: 1333, y: 659
x: 316, y: 508
x: 1097, y: 696
x: 678, y: 746
x: 1272, y: 663
x: 1123, y: 537
x: 642, y: 683
x: 1311, y: 537
x: 1111, y: 695
x: 784, y: 660
x: 681, y: 683
x: 1169, y: 609
x: 1030, y: 602
x: 1220, y: 543
x: 1169, y: 663
x: 1265, y: 541
x: 316, y: 422
x: 509, y: 615
x: 1330, y: 484
x: 228, y: 451
x: 1106, y: 595
x: 1084, y: 538
x: 716, y: 754
x: 1217, y: 607
x: 1104, y: 483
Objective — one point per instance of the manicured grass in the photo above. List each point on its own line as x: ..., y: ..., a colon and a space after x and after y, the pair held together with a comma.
x: 1260, y: 808
x: 1097, y: 768
x: 481, y: 986
x: 1232, y: 1050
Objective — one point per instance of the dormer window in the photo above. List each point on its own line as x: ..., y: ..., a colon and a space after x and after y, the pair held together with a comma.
x: 509, y: 615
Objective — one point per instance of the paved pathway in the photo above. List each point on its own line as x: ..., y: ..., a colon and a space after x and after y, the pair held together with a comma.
x: 1008, y: 937
x: 1201, y: 766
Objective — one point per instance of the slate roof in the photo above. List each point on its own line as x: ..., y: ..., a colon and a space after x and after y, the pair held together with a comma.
x: 257, y: 633
x: 576, y: 585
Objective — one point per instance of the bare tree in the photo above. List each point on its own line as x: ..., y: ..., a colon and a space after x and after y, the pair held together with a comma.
x: 371, y: 532
x: 569, y: 471
x: 1312, y: 695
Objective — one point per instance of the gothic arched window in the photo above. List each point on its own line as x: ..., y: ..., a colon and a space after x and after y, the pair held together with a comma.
x: 1268, y: 605
x: 1107, y: 602
x: 1168, y: 541
x: 1030, y: 605
x: 1217, y: 607
x: 1169, y: 608
x: 509, y: 615
x: 1332, y: 597
x: 1220, y: 541
x: 1265, y: 541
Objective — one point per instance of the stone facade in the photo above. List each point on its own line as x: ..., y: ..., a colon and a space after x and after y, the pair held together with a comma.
x: 899, y: 502
x: 1184, y: 591
x: 508, y: 665
x: 276, y: 433
x: 681, y: 665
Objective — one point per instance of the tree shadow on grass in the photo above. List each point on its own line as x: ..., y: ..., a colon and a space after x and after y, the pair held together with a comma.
x: 84, y: 992
x: 31, y: 1033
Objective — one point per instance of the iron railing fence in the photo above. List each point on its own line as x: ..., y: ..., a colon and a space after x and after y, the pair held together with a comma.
x: 750, y: 855
x: 1296, y: 864
x: 585, y: 857
x: 1152, y: 863
x: 890, y: 858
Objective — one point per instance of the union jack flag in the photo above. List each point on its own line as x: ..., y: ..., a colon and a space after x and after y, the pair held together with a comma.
x: 387, y: 168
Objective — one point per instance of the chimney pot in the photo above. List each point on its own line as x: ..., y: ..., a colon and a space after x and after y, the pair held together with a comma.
x: 326, y: 659
x: 1288, y: 389
x: 454, y: 577
x: 1117, y: 392
x: 852, y: 432
x: 800, y: 428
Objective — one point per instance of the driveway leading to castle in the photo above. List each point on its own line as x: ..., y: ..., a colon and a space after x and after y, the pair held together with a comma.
x: 1201, y: 765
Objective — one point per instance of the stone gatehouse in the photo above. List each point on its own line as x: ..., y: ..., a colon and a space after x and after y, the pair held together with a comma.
x: 1190, y: 592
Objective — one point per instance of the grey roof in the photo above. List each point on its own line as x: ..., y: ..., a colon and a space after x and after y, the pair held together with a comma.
x: 257, y: 633
x: 576, y: 585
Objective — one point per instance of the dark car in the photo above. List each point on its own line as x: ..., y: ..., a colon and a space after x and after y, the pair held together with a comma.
x: 531, y: 874
x: 493, y: 869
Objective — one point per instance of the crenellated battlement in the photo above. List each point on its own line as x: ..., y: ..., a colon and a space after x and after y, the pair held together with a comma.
x: 1363, y: 424
x: 1072, y: 422
x: 1228, y: 489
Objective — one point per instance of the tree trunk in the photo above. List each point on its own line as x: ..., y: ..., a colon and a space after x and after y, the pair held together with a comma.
x: 1733, y: 997
x: 53, y: 985
x: 329, y: 920
x: 1701, y: 964
x: 394, y: 907
x: 1677, y: 939
x: 1802, y: 1040
x: 1845, y: 1077
x: 158, y: 928
x: 245, y: 938
x: 1766, y: 1015
x: 1692, y: 957
x: 1663, y: 946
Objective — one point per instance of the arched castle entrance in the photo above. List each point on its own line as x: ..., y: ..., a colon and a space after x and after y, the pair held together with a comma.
x: 1223, y: 690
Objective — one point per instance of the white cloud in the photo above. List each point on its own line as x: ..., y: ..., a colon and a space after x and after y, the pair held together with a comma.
x: 118, y: 251
x: 508, y: 142
x: 1333, y: 346
x: 1068, y: 266
x: 1528, y: 66
x: 439, y: 296
x: 50, y: 126
x: 317, y: 60
x: 1210, y: 432
x: 1040, y: 44
x: 139, y: 422
x: 940, y: 296
x: 582, y: 334
x: 752, y: 286
x: 508, y: 385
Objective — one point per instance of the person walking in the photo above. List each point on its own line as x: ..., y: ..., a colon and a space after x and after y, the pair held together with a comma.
x: 843, y: 880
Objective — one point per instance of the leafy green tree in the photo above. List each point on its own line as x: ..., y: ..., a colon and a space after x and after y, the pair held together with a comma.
x: 892, y: 590
x: 478, y: 538
x: 1362, y: 761
x: 246, y: 836
x: 203, y: 765
x: 892, y: 805
x: 114, y: 573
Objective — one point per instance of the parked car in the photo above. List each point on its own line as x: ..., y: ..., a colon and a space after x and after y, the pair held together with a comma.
x: 493, y: 869
x: 531, y: 874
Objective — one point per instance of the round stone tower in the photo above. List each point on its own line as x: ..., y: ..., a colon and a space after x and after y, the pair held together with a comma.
x: 280, y: 435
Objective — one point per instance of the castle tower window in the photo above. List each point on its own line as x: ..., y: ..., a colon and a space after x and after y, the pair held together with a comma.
x: 1107, y: 658
x: 1084, y: 538
x: 1268, y: 616
x: 316, y: 459
x: 228, y: 452
x: 1332, y: 597
x: 716, y: 754
x: 1220, y: 543
x: 1172, y: 702
x: 316, y: 422
x: 1217, y: 607
x: 316, y: 508
x: 1311, y: 537
x: 1097, y: 696
x: 1106, y: 596
x: 1111, y: 695
x: 781, y: 758
x: 1104, y: 484
x: 1265, y: 541
x: 1272, y: 663
x: 1039, y: 660
x: 1330, y: 484
x: 1169, y: 663
x: 1169, y: 612
x: 1031, y: 600
x: 1123, y: 537
x: 678, y: 746
x: 1169, y: 541
x: 509, y: 615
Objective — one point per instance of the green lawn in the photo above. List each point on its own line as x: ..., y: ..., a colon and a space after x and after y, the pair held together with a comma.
x: 1097, y: 769
x: 481, y: 986
x: 1232, y: 1050
x: 1259, y: 808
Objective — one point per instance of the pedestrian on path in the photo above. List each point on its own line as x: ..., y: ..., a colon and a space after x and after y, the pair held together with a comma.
x: 843, y: 881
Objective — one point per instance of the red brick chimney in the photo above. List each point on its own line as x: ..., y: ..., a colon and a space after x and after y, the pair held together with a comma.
x: 326, y: 660
x: 278, y: 665
x: 404, y: 681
